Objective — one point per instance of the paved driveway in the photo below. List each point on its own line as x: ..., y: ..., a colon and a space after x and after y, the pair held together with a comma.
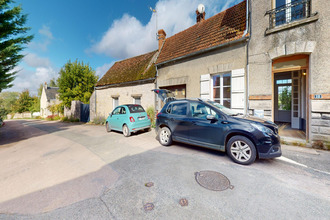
x: 58, y: 170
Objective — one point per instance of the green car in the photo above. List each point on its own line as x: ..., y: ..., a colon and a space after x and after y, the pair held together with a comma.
x: 128, y: 119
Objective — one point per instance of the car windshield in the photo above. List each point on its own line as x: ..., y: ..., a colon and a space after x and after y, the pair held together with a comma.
x: 135, y: 108
x: 224, y: 109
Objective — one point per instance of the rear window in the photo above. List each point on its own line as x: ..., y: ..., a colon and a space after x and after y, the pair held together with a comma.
x: 135, y: 108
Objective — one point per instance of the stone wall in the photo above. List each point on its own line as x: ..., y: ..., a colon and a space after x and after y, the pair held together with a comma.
x: 74, y: 112
x: 101, y: 101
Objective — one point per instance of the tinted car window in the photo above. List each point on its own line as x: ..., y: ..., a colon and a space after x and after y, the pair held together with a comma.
x: 179, y: 108
x: 200, y: 110
x: 135, y: 108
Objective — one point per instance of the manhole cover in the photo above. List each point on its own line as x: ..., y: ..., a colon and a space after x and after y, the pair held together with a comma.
x: 213, y: 180
x: 148, y: 207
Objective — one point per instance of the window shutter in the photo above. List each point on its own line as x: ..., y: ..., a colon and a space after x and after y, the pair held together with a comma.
x: 205, y: 86
x: 238, y: 89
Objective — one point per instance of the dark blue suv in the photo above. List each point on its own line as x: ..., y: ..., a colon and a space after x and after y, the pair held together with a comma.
x: 209, y: 124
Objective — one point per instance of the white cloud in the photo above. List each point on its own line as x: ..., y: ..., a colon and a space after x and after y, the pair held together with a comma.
x: 34, y: 60
x: 26, y: 78
x: 45, y: 31
x: 46, y: 39
x: 128, y: 37
x: 100, y: 71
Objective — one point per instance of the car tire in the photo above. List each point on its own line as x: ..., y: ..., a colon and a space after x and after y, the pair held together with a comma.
x: 107, y: 127
x: 241, y: 150
x: 165, y: 136
x: 126, y: 131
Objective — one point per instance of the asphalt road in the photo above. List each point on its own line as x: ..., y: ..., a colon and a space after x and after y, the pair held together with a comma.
x: 52, y: 170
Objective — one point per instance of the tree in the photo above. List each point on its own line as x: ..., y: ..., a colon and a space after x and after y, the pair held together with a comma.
x: 35, y: 104
x: 76, y: 82
x: 12, y: 39
x: 7, y: 101
x: 24, y: 102
x: 285, y: 99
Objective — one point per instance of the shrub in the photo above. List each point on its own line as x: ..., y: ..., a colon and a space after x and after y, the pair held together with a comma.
x: 151, y: 113
x: 99, y: 120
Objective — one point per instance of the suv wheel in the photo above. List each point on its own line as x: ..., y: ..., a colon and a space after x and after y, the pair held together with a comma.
x: 165, y: 136
x: 241, y: 150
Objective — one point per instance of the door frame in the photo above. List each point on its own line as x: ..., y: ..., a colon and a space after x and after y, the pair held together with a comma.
x: 293, y: 68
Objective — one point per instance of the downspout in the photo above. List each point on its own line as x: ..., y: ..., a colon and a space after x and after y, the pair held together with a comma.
x: 246, y: 110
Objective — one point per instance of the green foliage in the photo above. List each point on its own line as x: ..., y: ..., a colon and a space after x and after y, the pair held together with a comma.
x: 24, y: 102
x: 7, y: 102
x: 35, y: 105
x: 284, y: 100
x: 52, y: 83
x: 76, y: 82
x: 12, y: 39
x: 99, y: 120
x: 151, y: 113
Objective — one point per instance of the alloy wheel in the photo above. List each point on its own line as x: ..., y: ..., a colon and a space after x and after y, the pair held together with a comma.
x: 241, y: 151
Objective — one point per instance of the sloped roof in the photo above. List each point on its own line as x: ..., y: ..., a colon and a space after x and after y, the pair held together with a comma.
x: 130, y: 70
x: 51, y: 92
x: 224, y: 27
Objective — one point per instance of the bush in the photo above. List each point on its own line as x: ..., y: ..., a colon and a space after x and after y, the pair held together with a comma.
x: 53, y: 118
x: 66, y: 119
x: 99, y: 120
x: 151, y: 113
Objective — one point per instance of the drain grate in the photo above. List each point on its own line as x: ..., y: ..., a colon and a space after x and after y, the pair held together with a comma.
x: 149, y: 184
x: 213, y: 180
x: 148, y: 207
x: 183, y: 202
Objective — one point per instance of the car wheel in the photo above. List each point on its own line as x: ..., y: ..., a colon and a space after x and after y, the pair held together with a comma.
x: 126, y: 131
x: 165, y: 136
x: 241, y: 150
x: 107, y: 127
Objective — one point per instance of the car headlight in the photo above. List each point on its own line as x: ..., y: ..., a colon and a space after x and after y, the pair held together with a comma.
x: 263, y: 129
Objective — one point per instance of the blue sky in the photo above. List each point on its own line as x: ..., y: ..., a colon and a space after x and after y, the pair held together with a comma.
x: 98, y: 32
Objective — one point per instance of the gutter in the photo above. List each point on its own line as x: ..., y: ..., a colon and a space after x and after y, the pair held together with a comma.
x: 246, y: 111
x: 243, y: 38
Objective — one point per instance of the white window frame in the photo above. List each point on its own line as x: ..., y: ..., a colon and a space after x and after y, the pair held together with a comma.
x: 220, y: 87
x: 137, y: 98
x: 114, y: 104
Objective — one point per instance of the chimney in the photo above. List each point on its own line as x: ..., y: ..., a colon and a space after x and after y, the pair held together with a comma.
x: 200, y: 16
x: 45, y: 86
x: 161, y: 38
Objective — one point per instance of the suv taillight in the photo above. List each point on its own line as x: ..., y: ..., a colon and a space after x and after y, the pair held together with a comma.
x: 131, y: 119
x: 158, y: 114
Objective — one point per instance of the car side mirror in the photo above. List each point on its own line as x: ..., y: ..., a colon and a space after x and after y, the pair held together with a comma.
x: 110, y: 114
x: 211, y: 117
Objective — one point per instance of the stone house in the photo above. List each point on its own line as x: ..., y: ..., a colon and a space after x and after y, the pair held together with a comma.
x: 207, y: 60
x: 128, y: 81
x: 289, y: 64
x: 49, y: 96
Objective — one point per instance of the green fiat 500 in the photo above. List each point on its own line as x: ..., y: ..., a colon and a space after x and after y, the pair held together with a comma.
x: 128, y: 119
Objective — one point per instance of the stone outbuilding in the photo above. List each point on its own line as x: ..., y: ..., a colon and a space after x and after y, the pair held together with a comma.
x: 128, y: 81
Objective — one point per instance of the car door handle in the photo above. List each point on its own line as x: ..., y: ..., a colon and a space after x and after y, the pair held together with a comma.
x: 224, y: 122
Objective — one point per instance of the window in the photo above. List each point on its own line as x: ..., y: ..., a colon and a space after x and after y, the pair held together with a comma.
x: 222, y: 89
x: 199, y: 110
x: 284, y: 94
x: 115, y: 102
x: 135, y: 108
x: 116, y: 111
x: 287, y: 11
x: 177, y: 109
x: 137, y: 100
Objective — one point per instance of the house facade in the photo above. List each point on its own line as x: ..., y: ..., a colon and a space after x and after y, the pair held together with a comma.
x: 128, y: 81
x: 49, y: 96
x: 207, y: 60
x: 288, y: 58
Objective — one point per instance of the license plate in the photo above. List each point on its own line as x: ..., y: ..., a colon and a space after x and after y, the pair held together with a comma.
x: 141, y: 118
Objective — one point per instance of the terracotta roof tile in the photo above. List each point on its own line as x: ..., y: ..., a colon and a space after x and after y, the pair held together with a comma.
x: 224, y: 27
x: 129, y: 70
